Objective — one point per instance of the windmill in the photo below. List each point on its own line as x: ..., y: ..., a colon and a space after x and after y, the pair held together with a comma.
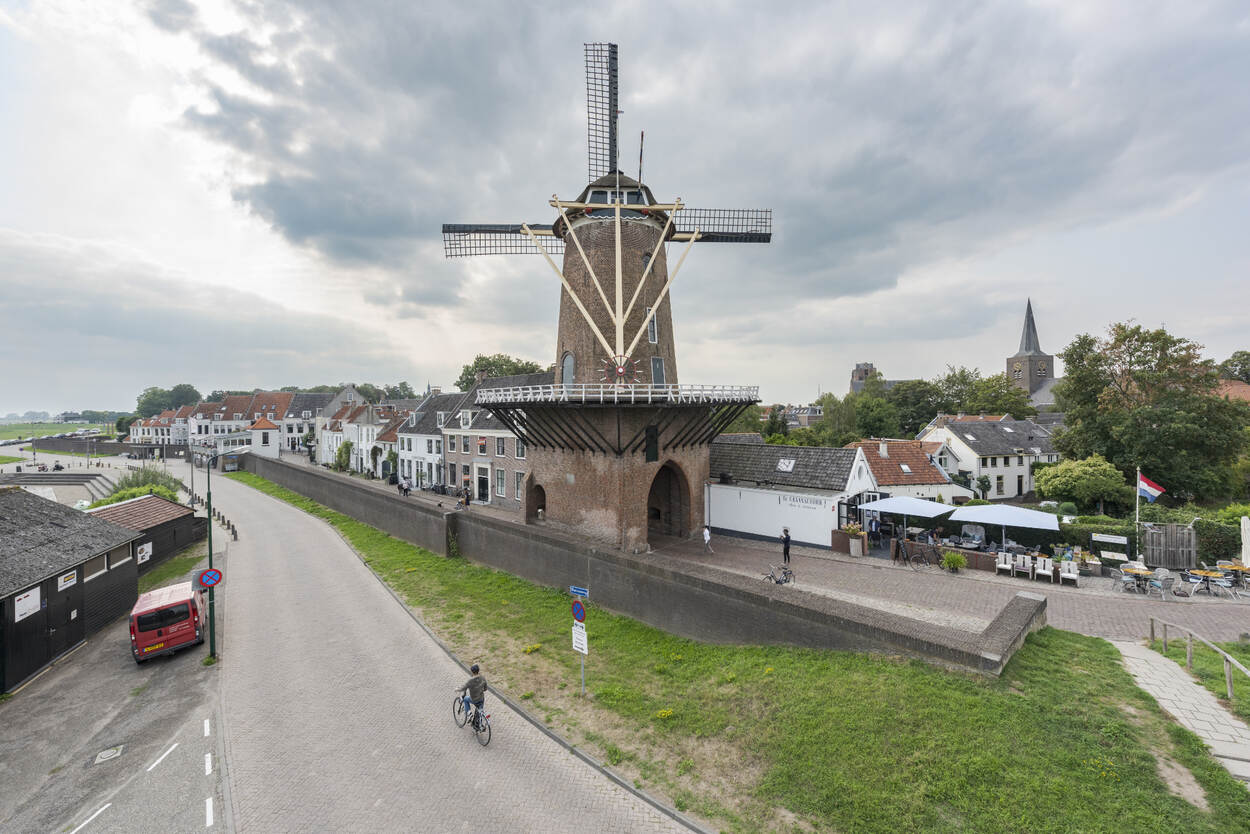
x: 617, y: 260
x: 617, y: 448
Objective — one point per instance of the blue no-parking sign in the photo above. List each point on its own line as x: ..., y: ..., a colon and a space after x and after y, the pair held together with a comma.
x: 579, y: 611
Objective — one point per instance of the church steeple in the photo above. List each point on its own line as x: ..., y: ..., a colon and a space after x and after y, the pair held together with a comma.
x: 1028, y: 337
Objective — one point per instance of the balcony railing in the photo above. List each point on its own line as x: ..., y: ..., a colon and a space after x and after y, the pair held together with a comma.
x: 608, y: 394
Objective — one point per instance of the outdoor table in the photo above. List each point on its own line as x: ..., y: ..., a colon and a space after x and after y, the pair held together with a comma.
x: 1207, y: 576
x: 1240, y: 571
x: 1139, y: 576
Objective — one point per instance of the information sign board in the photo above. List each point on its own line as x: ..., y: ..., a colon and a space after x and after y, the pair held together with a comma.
x: 579, y: 639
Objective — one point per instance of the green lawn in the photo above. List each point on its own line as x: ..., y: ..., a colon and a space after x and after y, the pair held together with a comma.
x: 8, y: 430
x: 771, y: 738
x: 175, y: 569
x: 10, y: 459
x: 1209, y: 669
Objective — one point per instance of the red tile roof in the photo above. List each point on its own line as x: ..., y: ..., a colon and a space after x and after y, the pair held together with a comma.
x: 888, y: 471
x: 263, y: 424
x: 1234, y: 389
x: 142, y: 513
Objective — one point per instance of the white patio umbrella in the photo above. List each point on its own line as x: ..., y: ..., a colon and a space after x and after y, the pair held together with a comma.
x: 1245, y: 540
x: 906, y: 505
x: 1006, y: 515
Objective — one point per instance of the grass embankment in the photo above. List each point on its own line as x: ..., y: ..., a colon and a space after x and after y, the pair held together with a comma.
x: 175, y: 569
x: 10, y: 459
x: 771, y: 738
x: 1209, y: 669
x: 11, y: 430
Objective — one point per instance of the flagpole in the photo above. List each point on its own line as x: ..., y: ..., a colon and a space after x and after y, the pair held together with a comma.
x: 1137, y: 513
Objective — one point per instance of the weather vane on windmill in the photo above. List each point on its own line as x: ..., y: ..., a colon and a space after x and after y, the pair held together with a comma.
x: 615, y: 274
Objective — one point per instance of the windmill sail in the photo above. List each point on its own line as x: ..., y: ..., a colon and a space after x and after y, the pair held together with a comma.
x: 601, y: 101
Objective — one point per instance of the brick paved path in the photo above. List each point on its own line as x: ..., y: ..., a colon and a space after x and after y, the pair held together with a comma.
x: 1191, y: 704
x: 337, y: 707
x: 975, y: 594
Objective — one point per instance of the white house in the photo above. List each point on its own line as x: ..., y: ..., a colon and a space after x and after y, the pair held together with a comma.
x: 421, y: 439
x: 905, y: 467
x: 756, y: 489
x: 266, y: 438
x: 999, y: 448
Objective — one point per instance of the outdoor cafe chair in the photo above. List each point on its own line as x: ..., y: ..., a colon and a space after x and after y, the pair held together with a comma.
x: 1003, y: 565
x: 1160, y: 583
x: 1069, y: 570
x: 1045, y: 565
x: 1123, y: 581
x: 1024, y: 564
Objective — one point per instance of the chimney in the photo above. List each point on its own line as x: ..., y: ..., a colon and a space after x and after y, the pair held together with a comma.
x: 884, y: 449
x: 961, y: 415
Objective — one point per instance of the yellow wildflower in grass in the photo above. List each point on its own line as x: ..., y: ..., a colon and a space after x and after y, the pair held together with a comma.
x: 768, y: 670
x: 664, y: 714
x: 533, y: 647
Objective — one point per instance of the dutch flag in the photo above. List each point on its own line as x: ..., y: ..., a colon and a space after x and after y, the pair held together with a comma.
x: 1148, y: 489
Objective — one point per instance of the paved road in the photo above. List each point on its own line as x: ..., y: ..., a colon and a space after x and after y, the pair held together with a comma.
x: 337, y: 706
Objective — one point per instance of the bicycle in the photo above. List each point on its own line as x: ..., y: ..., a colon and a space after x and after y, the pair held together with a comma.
x: 923, y: 556
x: 470, y: 714
x: 785, y: 575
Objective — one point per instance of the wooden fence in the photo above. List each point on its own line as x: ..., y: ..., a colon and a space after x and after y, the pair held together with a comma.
x: 1172, y: 546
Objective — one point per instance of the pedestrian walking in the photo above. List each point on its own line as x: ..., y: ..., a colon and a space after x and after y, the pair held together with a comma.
x: 467, y: 498
x: 785, y: 545
x: 707, y: 539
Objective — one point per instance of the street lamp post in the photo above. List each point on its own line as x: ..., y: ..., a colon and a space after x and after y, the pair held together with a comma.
x: 212, y: 611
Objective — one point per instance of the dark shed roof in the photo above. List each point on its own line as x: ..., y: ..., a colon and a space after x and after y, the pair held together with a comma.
x: 41, y: 538
x: 142, y: 513
x: 814, y: 467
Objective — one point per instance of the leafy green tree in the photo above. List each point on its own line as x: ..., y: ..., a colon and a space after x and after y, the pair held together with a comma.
x: 183, y: 394
x: 983, y: 485
x: 1089, y: 482
x: 776, y: 422
x: 917, y: 402
x: 750, y: 420
x: 122, y: 426
x: 499, y: 364
x: 1237, y: 366
x: 999, y: 395
x: 370, y: 392
x: 1146, y: 398
x: 958, y: 386
x: 780, y: 440
x: 152, y: 401
x: 399, y: 391
x: 219, y: 395
x: 875, y: 417
x: 343, y: 456
x: 837, y: 424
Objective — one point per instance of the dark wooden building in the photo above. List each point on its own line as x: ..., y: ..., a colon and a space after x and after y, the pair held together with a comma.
x: 63, y: 575
x: 165, y: 527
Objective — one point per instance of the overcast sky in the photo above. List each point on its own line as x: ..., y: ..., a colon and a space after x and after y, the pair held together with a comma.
x: 244, y: 194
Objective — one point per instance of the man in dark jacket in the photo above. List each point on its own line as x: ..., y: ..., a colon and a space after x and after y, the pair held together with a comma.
x: 476, y: 687
x: 785, y: 545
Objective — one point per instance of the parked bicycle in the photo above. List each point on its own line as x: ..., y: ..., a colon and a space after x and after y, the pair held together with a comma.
x: 779, y: 575
x: 464, y: 711
x: 921, y: 556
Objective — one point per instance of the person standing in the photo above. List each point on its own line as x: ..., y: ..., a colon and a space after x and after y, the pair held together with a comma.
x: 707, y: 539
x: 785, y: 545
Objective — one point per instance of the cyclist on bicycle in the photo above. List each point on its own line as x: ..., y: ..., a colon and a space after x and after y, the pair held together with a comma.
x: 476, y: 687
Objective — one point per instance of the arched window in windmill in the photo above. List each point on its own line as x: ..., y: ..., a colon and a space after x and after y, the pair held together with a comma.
x: 566, y: 370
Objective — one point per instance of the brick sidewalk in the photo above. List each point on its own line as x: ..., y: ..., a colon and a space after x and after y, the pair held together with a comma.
x: 1191, y: 705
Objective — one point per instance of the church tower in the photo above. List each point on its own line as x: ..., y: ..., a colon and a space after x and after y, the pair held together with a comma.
x: 1030, y: 368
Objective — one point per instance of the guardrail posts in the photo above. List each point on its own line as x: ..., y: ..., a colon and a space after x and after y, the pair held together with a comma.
x: 1152, y: 631
x: 1165, y: 638
x: 1228, y: 677
x: 1189, y: 651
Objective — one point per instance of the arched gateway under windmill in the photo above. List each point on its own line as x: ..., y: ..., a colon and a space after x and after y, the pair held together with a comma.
x: 618, y: 448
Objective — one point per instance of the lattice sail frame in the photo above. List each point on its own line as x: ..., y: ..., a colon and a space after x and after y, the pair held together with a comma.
x: 601, y: 108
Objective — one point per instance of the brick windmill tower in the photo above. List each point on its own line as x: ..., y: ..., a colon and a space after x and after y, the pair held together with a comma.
x: 618, y: 449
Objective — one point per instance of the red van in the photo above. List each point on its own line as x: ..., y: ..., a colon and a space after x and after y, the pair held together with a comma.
x: 166, y: 620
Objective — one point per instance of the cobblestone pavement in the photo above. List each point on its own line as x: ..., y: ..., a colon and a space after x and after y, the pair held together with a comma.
x: 970, y: 593
x: 337, y: 706
x: 1192, y: 705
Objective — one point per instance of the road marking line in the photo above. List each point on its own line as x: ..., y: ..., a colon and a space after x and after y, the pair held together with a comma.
x: 90, y: 818
x: 208, y: 812
x: 162, y: 758
x: 205, y: 728
x: 208, y: 764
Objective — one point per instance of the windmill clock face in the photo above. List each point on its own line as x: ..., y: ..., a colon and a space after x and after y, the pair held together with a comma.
x: 621, y: 370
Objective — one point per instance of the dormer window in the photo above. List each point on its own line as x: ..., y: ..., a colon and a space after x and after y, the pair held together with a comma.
x: 441, y: 418
x: 306, y: 414
x: 240, y: 416
x: 466, y: 417
x: 257, y: 417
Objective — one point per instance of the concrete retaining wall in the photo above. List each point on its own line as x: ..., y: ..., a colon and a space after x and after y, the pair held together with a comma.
x: 686, y: 599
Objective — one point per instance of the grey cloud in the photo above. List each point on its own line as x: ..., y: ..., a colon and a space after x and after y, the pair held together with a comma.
x: 172, y: 15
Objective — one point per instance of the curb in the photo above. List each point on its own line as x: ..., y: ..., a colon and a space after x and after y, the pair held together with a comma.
x: 602, y: 768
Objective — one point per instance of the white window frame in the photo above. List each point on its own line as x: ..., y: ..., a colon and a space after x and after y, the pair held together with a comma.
x: 501, y: 482
x: 520, y: 449
x: 520, y: 485
x: 501, y: 447
x: 653, y: 333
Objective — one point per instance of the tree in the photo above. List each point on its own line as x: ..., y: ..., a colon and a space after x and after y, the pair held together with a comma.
x: 998, y: 395
x: 122, y: 426
x: 983, y: 485
x: 399, y: 391
x: 1237, y: 366
x: 750, y: 420
x: 370, y: 392
x: 499, y: 364
x: 1087, y: 483
x: 875, y: 417
x: 343, y: 456
x: 219, y: 395
x: 958, y: 386
x: 1146, y: 398
x: 152, y: 401
x: 837, y: 423
x: 917, y: 402
x: 776, y: 422
x: 183, y: 394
